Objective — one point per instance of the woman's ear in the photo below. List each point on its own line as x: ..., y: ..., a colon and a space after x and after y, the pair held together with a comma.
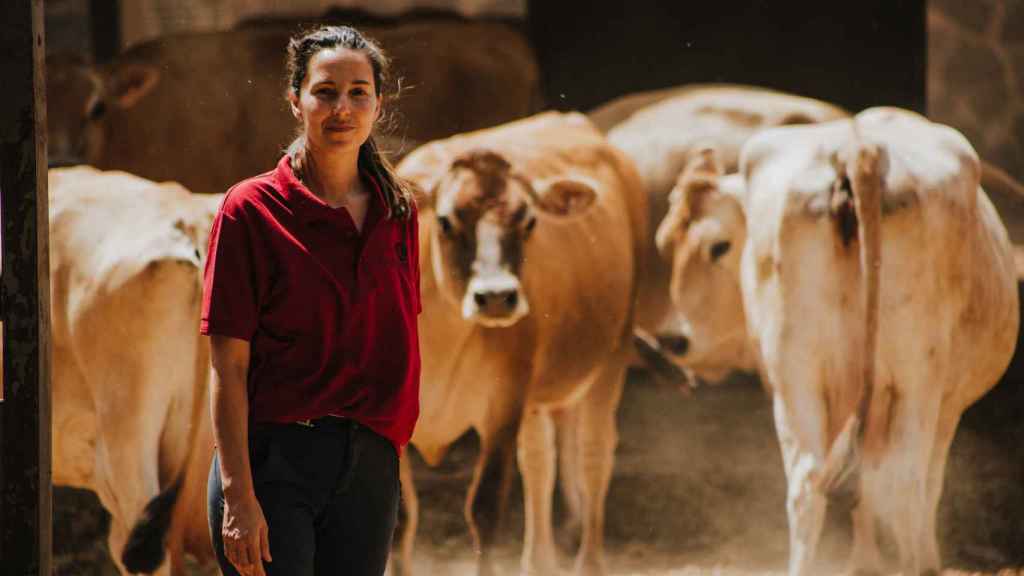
x: 380, y: 109
x: 293, y: 102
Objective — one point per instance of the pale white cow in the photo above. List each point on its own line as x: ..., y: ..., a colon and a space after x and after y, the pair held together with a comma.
x: 879, y: 293
x: 129, y: 367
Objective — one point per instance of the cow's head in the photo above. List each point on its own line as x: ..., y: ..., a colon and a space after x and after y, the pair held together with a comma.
x: 485, y: 214
x: 702, y: 236
x: 80, y: 98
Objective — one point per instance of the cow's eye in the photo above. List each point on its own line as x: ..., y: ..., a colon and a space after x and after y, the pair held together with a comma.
x: 97, y: 110
x: 531, y: 224
x: 446, y: 225
x: 719, y: 249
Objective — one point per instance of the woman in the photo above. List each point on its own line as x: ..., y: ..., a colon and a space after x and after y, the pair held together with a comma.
x: 311, y: 296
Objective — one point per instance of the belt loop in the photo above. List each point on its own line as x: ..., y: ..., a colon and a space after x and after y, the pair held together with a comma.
x: 352, y: 456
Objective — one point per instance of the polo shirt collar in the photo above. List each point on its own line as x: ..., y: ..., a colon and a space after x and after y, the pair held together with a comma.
x: 308, y: 206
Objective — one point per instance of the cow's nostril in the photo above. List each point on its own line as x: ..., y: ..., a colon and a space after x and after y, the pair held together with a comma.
x: 496, y: 301
x: 676, y: 344
x: 511, y: 299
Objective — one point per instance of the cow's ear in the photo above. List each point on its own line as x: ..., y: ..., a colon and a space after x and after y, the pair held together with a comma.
x: 566, y: 197
x: 424, y: 168
x: 132, y: 82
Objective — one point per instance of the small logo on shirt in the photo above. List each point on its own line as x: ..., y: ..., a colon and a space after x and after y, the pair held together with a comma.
x: 403, y: 253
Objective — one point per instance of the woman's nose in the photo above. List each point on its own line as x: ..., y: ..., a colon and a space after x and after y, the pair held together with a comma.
x: 342, y: 105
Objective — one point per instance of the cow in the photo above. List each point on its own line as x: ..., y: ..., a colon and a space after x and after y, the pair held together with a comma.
x: 667, y: 125
x: 130, y: 371
x: 209, y: 109
x: 660, y: 130
x: 877, y: 285
x: 531, y: 239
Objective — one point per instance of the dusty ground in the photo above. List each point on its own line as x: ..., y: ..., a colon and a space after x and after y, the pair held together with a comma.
x: 698, y: 490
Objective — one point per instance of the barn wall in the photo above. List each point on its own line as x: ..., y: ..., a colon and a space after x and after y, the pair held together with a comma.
x: 145, y: 19
x: 976, y: 75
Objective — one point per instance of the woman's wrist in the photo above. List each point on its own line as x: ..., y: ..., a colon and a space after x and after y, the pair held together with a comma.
x: 236, y: 491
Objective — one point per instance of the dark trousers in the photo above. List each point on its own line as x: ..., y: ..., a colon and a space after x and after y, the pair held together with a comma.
x: 329, y: 493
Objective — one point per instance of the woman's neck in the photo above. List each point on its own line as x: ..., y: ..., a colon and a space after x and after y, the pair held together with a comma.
x: 332, y: 177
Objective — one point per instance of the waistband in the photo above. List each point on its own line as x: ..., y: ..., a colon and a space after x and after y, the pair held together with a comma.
x: 324, y: 422
x: 329, y: 421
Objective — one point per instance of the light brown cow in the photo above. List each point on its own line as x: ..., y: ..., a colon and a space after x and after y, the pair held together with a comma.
x: 879, y: 289
x: 129, y: 368
x: 531, y: 238
x: 208, y: 109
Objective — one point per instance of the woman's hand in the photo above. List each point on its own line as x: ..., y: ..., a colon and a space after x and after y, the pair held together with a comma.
x: 246, y: 536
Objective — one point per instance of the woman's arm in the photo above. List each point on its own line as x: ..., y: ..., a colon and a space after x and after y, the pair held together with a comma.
x: 245, y: 529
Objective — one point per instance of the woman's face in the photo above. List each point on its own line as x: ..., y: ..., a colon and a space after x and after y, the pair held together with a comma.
x: 337, y: 103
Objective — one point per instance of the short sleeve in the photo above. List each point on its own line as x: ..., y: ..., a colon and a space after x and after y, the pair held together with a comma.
x: 414, y: 243
x: 230, y: 303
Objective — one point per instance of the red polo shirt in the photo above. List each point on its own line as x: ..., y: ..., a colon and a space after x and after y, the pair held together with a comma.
x: 330, y: 313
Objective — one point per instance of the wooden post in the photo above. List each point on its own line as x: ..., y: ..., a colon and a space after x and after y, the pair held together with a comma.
x: 25, y: 480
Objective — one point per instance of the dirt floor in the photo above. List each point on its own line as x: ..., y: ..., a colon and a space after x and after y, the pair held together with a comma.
x: 698, y: 490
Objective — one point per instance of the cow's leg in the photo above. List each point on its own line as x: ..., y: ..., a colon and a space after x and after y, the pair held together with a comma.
x: 125, y: 485
x: 865, y: 558
x: 946, y: 430
x: 401, y: 564
x: 598, y: 436
x: 569, y: 482
x: 488, y: 493
x: 805, y: 503
x: 537, y: 465
x: 908, y: 522
x: 915, y: 434
x: 138, y: 389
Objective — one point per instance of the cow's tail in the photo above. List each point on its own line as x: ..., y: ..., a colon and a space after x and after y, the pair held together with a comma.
x: 144, y: 552
x: 146, y: 546
x: 864, y: 173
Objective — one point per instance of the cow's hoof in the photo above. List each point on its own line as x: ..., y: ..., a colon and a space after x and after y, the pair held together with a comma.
x: 567, y: 537
x: 591, y: 568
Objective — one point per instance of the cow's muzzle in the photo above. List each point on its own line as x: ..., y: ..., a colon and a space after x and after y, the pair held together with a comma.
x: 495, y: 301
x: 657, y: 360
x: 673, y: 343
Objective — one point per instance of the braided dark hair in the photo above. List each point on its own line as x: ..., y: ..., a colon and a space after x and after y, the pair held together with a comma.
x: 301, y: 49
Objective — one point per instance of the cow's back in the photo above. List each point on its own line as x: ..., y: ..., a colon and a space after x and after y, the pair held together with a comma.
x: 660, y: 136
